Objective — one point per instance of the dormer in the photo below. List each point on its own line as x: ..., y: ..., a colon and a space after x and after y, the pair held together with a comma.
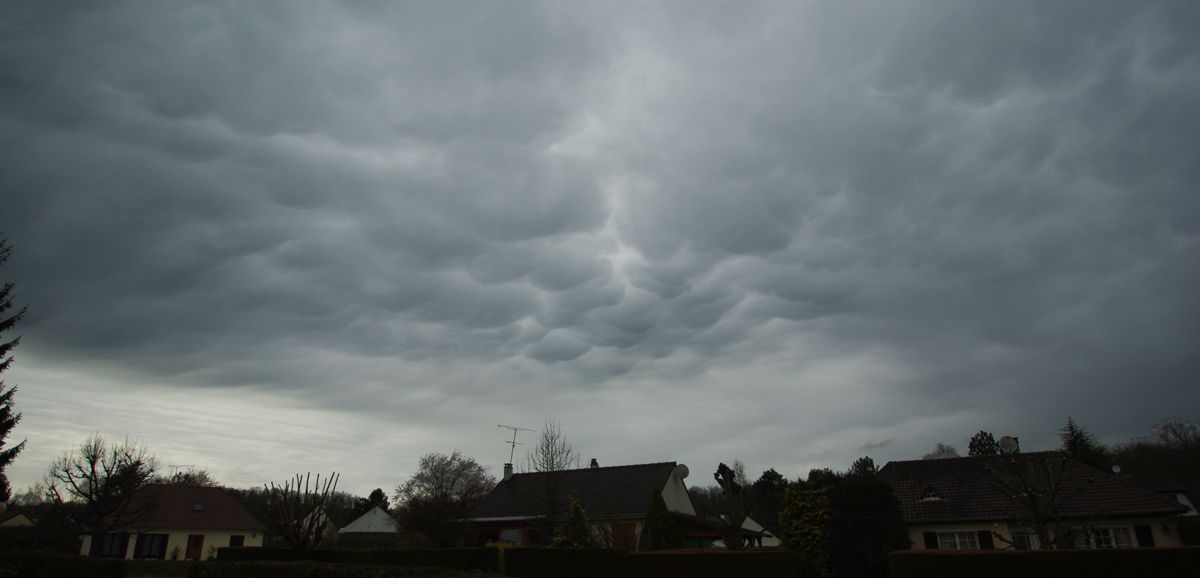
x: 931, y: 495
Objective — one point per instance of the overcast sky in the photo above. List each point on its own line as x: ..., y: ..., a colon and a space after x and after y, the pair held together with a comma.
x: 267, y: 238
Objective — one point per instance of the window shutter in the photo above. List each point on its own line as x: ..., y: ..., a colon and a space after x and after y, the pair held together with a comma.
x: 931, y: 540
x: 1145, y: 538
x: 985, y: 540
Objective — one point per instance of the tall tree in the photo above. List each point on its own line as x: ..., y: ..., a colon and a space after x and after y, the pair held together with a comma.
x: 103, y: 478
x: 983, y: 444
x: 435, y: 500
x: 864, y: 466
x: 377, y: 499
x: 9, y: 417
x: 843, y: 524
x: 769, y: 490
x: 941, y: 451
x: 1080, y: 444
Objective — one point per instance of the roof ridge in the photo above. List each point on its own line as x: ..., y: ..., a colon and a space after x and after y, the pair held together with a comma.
x: 589, y: 468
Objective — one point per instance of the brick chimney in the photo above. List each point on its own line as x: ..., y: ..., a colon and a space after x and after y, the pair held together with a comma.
x: 507, y: 471
x: 594, y: 464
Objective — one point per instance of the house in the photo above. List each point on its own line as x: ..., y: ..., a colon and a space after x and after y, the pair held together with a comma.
x: 179, y: 523
x: 375, y: 528
x: 13, y: 519
x: 994, y: 502
x: 522, y: 506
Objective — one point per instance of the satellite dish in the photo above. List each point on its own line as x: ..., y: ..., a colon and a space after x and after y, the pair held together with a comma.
x: 1116, y: 469
x: 681, y: 471
x: 1009, y: 445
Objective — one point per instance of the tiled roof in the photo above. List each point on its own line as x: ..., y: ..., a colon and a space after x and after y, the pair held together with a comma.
x: 973, y: 489
x: 615, y: 492
x: 175, y: 507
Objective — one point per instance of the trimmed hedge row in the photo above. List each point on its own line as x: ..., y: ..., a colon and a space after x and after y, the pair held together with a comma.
x: 40, y: 564
x: 710, y: 563
x: 459, y: 558
x: 545, y: 562
x: 310, y: 569
x: 577, y: 563
x: 1124, y: 562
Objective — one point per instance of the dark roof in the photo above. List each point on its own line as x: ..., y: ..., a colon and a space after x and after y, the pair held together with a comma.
x: 614, y: 492
x: 174, y: 507
x: 974, y: 489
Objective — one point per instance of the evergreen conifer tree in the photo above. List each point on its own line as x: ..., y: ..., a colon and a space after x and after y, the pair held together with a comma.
x: 9, y: 417
x: 661, y: 532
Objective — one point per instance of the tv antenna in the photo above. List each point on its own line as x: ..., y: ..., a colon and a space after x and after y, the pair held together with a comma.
x: 513, y: 443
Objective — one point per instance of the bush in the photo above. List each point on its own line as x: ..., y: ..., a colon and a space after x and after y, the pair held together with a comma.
x: 36, y: 538
x: 1006, y: 564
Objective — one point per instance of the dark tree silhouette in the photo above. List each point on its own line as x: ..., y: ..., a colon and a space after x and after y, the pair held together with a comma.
x: 983, y: 444
x: 9, y: 417
x: 102, y: 478
x: 444, y: 491
x: 1080, y: 444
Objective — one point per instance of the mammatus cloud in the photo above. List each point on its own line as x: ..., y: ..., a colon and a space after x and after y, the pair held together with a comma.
x: 779, y: 233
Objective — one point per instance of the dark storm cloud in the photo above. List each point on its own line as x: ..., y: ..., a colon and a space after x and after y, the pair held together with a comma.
x: 888, y: 222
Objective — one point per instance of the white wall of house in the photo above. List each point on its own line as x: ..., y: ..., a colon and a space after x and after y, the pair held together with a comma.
x: 178, y: 539
x: 675, y: 494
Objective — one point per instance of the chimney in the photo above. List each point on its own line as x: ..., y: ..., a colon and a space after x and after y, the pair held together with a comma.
x: 594, y: 464
x: 507, y: 471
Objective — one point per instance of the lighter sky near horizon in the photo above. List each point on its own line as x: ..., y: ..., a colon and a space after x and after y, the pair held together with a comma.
x: 279, y: 237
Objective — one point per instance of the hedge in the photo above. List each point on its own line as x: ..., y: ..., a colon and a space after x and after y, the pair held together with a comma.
x: 310, y: 569
x: 553, y: 562
x: 37, y: 564
x: 1124, y: 562
x: 459, y: 558
x: 711, y: 563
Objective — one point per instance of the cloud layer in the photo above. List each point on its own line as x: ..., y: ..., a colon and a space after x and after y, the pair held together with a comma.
x: 790, y: 233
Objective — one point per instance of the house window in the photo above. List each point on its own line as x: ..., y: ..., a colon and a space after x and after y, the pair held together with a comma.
x: 1104, y: 538
x: 1024, y: 540
x: 150, y: 547
x: 958, y: 540
x: 931, y: 495
x: 112, y: 545
x: 237, y: 541
x: 198, y: 506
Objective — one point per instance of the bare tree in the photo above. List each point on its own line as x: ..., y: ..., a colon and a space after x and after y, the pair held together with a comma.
x: 298, y: 508
x: 1040, y: 489
x: 189, y: 477
x: 103, y: 478
x: 551, y: 456
x: 552, y: 453
x: 941, y: 451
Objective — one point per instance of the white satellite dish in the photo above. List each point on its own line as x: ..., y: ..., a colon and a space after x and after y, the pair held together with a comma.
x: 1116, y: 469
x: 1009, y: 445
